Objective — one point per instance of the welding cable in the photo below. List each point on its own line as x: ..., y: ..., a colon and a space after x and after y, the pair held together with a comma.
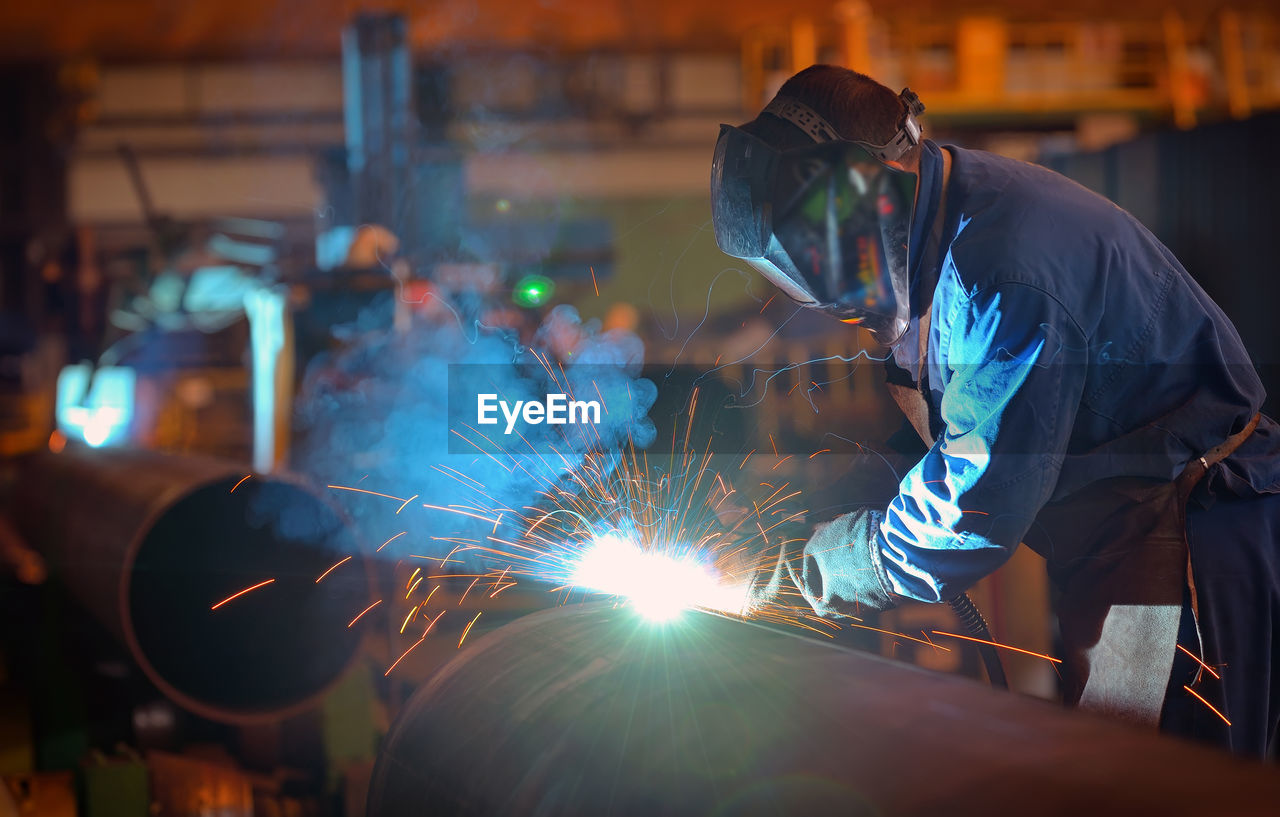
x: 975, y: 625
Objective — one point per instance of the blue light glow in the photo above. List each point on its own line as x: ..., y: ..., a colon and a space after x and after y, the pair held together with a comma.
x: 98, y: 411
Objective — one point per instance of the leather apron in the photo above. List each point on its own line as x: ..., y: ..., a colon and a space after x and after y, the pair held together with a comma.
x: 1116, y: 550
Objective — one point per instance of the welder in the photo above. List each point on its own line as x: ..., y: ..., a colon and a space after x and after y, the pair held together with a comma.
x: 1076, y: 389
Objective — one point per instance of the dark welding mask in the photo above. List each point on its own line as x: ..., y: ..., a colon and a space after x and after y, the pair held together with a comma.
x: 827, y: 223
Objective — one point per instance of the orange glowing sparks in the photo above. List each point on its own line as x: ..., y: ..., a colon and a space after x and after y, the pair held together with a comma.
x: 414, y: 645
x: 392, y: 539
x: 468, y: 590
x: 457, y: 511
x: 468, y: 629
x: 433, y: 623
x: 238, y: 484
x: 892, y: 634
x: 410, y: 617
x: 330, y: 570
x: 235, y: 596
x: 1001, y: 646
x: 414, y: 586
x: 362, y: 612
x: 458, y: 475
x: 804, y: 626
x: 675, y: 506
x: 594, y: 285
x: 930, y: 640
x: 1196, y: 658
x: 363, y: 491
x: 403, y: 654
x: 503, y: 575
x: 1212, y: 708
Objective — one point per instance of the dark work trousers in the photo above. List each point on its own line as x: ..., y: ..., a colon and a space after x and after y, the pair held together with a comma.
x: 1235, y: 557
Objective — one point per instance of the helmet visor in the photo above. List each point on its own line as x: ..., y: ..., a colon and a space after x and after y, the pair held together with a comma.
x: 827, y: 223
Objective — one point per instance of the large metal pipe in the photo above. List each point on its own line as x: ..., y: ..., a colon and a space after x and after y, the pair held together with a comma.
x: 592, y: 711
x: 150, y: 542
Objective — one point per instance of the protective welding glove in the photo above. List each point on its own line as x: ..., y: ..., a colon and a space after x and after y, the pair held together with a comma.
x: 838, y: 570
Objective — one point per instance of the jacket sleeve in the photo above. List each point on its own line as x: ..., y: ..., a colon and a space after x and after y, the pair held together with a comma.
x: 1013, y: 363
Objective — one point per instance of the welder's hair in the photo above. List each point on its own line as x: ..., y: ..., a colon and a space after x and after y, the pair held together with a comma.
x: 857, y: 106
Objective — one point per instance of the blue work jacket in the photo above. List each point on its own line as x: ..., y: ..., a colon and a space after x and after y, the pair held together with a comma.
x: 1065, y: 345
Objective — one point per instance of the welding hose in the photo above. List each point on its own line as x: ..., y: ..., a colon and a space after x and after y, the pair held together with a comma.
x: 975, y: 625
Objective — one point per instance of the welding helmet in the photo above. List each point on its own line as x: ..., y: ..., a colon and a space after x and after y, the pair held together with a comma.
x: 827, y: 223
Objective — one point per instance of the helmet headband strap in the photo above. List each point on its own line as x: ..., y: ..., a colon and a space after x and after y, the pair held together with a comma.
x: 790, y: 109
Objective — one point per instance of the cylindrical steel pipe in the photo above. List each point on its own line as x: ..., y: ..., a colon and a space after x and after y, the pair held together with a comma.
x: 149, y: 543
x: 592, y: 711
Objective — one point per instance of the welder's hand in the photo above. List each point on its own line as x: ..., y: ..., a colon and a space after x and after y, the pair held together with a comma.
x: 840, y: 569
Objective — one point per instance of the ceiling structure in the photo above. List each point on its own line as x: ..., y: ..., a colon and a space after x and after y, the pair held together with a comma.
x: 147, y: 30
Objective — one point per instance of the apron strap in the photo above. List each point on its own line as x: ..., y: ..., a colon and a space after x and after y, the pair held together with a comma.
x: 1187, y: 481
x: 1197, y: 468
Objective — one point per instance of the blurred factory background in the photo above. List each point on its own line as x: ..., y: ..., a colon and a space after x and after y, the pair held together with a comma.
x: 230, y: 232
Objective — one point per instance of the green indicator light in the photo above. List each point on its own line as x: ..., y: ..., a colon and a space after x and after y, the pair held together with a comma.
x: 533, y: 290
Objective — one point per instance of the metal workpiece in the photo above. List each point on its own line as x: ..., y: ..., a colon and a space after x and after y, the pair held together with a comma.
x: 591, y: 710
x: 149, y: 543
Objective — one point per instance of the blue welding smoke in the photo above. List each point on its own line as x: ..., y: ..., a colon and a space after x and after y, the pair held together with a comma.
x: 375, y: 415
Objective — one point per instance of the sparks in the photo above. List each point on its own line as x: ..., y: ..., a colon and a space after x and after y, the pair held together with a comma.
x: 235, y: 596
x: 1212, y: 708
x: 414, y: 586
x: 403, y: 654
x: 892, y: 634
x: 340, y: 563
x: 389, y: 541
x: 1196, y: 658
x: 1001, y: 646
x: 653, y: 535
x: 457, y: 511
x: 362, y: 612
x: 468, y: 590
x: 468, y: 629
x: 410, y: 616
x: 363, y: 491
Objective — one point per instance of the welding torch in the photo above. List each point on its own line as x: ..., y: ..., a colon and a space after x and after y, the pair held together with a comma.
x: 767, y: 571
